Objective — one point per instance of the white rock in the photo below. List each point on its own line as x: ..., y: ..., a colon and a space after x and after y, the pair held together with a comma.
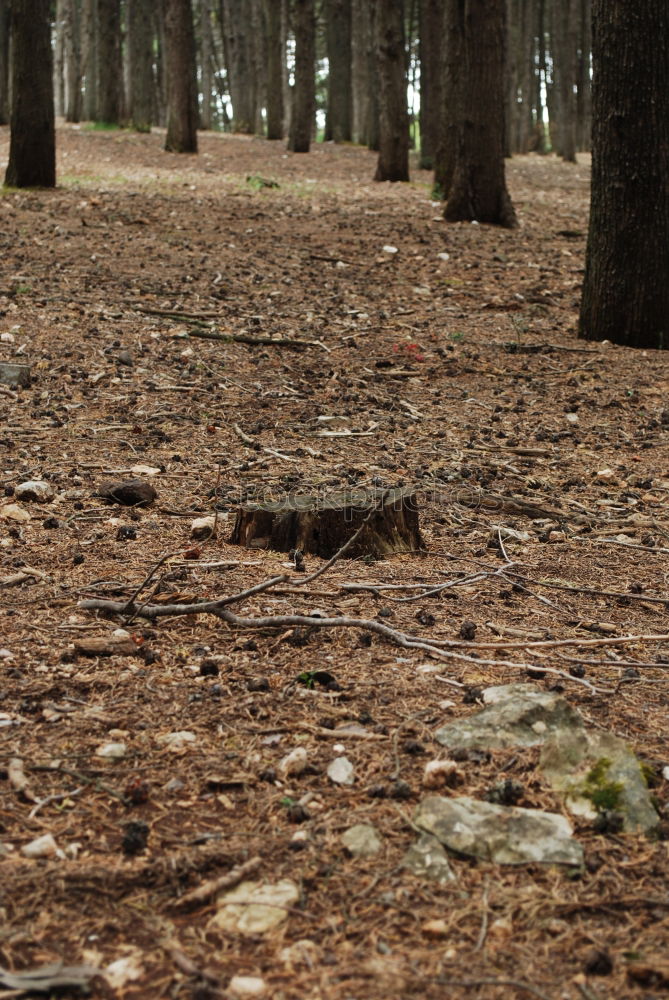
x: 120, y: 633
x: 203, y: 527
x: 571, y: 418
x: 247, y: 986
x: 112, y: 751
x: 665, y: 772
x: 144, y: 470
x: 605, y: 475
x: 293, y: 763
x: 34, y: 489
x: 255, y: 907
x: 444, y: 256
x: 12, y: 512
x: 42, y: 847
x: 341, y: 771
x: 177, y: 741
x: 389, y: 249
x: 442, y: 774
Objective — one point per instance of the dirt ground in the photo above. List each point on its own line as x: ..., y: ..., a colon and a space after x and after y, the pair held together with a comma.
x: 460, y: 375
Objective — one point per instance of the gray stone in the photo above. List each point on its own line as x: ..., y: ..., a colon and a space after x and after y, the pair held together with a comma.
x: 526, y: 717
x: 362, y: 840
x: 506, y: 835
x: 597, y: 771
x: 12, y: 374
x: 341, y: 771
x: 36, y: 490
x: 427, y: 859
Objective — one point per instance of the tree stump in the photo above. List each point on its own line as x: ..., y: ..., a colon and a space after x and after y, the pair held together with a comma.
x: 320, y: 525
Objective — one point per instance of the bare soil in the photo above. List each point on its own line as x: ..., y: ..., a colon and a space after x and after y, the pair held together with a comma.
x: 461, y: 375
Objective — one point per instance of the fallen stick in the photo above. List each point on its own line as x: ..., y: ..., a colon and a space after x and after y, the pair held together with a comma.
x: 208, y: 889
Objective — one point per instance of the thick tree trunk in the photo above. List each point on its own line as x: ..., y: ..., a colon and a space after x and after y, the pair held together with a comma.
x: 626, y: 284
x: 452, y: 55
x: 583, y: 83
x: 478, y: 189
x: 373, y: 113
x: 322, y: 525
x: 160, y: 88
x: 32, y: 148
x: 110, y: 69
x: 140, y: 59
x: 274, y: 49
x: 360, y: 18
x: 72, y: 53
x: 90, y: 57
x: 59, y: 61
x: 4, y: 62
x: 338, y: 120
x: 393, y: 162
x: 181, y: 78
x: 240, y: 64
x: 430, y: 31
x: 303, y: 104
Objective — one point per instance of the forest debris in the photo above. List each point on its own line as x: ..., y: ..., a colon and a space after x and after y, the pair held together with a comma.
x: 106, y: 646
x: 128, y: 493
x: 34, y: 489
x: 43, y: 847
x: 243, y: 987
x: 208, y: 889
x: 362, y: 840
x: 111, y: 751
x: 652, y: 972
x: 255, y: 907
x: 47, y: 978
x: 204, y: 527
x: 24, y: 574
x: 18, y: 779
x: 12, y: 512
x: 427, y: 859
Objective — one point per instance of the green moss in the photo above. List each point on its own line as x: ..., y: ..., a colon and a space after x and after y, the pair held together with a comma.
x: 603, y: 793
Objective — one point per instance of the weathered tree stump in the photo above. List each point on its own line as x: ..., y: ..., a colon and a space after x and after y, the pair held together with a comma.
x: 322, y: 524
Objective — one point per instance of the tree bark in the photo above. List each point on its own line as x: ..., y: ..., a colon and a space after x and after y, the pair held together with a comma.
x: 451, y: 61
x: 72, y: 53
x: 240, y: 64
x: 626, y: 284
x: 430, y: 31
x: 140, y: 58
x: 564, y: 55
x: 110, y: 69
x: 181, y: 78
x: 338, y: 25
x: 360, y: 17
x: 478, y: 189
x: 90, y: 57
x: 393, y: 161
x: 304, y: 98
x: 4, y: 62
x: 32, y: 147
x: 583, y: 83
x: 59, y: 61
x: 274, y: 49
x: 206, y: 51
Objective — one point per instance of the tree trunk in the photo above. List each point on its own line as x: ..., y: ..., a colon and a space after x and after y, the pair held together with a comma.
x: 206, y: 56
x: 72, y: 53
x: 360, y: 17
x: 274, y: 48
x: 181, y: 78
x: 626, y: 284
x: 59, y: 61
x: 338, y: 24
x: 322, y: 525
x: 372, y: 80
x: 90, y: 57
x: 32, y: 147
x: 583, y: 84
x: 4, y: 62
x: 160, y: 88
x: 452, y: 56
x: 393, y: 162
x: 240, y: 64
x: 430, y: 31
x: 140, y: 58
x: 287, y: 93
x: 110, y: 69
x: 564, y: 49
x: 478, y: 190
x: 304, y: 97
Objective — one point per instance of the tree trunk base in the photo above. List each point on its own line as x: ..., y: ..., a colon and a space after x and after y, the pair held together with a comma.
x: 322, y: 525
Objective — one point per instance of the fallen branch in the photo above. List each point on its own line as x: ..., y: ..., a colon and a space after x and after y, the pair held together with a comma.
x: 208, y: 889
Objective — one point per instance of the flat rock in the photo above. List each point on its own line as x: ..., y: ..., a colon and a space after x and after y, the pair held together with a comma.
x: 36, y: 490
x: 13, y: 374
x: 362, y: 840
x: 255, y: 907
x: 522, y: 716
x: 427, y: 859
x: 341, y: 771
x: 597, y: 771
x: 128, y: 492
x: 506, y: 835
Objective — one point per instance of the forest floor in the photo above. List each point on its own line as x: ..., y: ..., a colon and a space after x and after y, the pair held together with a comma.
x: 462, y: 375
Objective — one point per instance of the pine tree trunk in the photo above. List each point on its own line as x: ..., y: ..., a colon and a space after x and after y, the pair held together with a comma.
x: 72, y: 52
x: 373, y: 110
x: 626, y: 284
x: 240, y: 59
x: 393, y: 161
x: 206, y: 61
x: 90, y: 57
x: 59, y: 61
x: 564, y: 29
x: 451, y: 61
x: 160, y: 88
x: 274, y: 49
x: 140, y: 64
x: 430, y: 29
x: 478, y: 190
x: 32, y: 147
x: 303, y: 104
x: 181, y: 78
x: 583, y: 83
x: 340, y: 96
x: 4, y: 62
x: 110, y: 70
